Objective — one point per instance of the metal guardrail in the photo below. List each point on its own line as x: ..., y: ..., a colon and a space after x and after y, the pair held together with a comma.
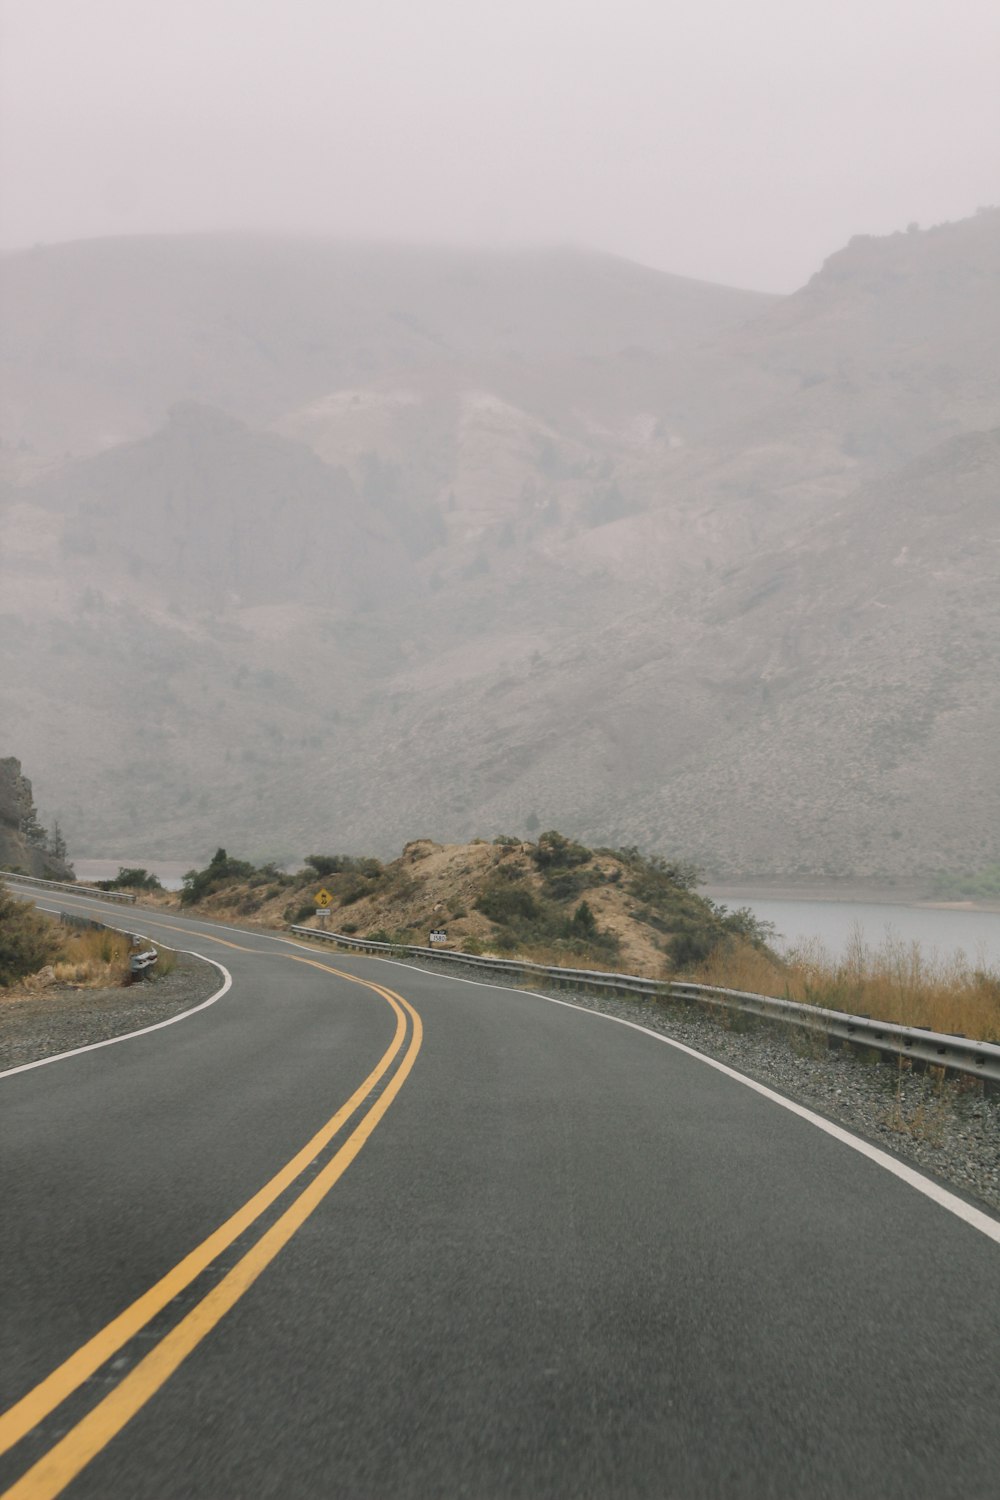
x: 140, y: 964
x: 956, y: 1054
x: 78, y: 889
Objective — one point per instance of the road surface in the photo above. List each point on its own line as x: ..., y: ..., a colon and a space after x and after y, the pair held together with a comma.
x: 361, y: 1230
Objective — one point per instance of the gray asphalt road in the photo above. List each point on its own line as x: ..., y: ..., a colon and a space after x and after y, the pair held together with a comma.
x: 568, y: 1260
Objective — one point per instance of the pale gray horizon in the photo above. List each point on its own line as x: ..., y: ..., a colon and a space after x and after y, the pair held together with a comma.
x: 735, y: 144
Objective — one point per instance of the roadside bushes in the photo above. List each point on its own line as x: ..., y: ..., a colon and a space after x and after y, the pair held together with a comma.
x: 297, y: 912
x: 526, y: 920
x: 131, y: 879
x: 697, y: 940
x: 28, y: 940
x: 220, y: 871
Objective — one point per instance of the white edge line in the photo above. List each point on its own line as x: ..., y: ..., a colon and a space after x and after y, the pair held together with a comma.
x: 970, y: 1215
x: 129, y: 1036
x: 974, y: 1217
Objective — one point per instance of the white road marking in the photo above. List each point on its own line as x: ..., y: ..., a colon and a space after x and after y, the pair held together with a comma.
x: 129, y: 1036
x: 974, y: 1217
x: 970, y: 1215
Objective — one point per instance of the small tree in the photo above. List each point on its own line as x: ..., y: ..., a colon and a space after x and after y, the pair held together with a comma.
x: 554, y: 849
x: 220, y: 871
x: 32, y: 829
x: 328, y: 864
x: 131, y: 878
x: 584, y: 923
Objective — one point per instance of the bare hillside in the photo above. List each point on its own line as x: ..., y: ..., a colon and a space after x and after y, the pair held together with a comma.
x: 464, y: 540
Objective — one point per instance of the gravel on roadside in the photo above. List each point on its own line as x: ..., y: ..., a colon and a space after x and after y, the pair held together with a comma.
x: 59, y: 1018
x: 946, y: 1127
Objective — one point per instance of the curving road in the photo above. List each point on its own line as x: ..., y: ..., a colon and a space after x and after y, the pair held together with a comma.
x: 359, y: 1230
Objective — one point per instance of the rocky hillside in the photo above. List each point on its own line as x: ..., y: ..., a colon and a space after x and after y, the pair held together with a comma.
x: 459, y: 541
x: 24, y: 844
x: 553, y: 900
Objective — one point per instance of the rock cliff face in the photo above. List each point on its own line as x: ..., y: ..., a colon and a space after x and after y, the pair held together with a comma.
x: 17, y: 810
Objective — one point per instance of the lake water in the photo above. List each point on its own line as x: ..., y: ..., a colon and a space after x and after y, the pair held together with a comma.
x: 834, y: 923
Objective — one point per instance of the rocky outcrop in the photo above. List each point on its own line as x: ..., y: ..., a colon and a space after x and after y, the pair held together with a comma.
x: 20, y: 832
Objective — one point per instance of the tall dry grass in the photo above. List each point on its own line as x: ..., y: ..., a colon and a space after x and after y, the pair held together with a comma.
x: 895, y: 981
x: 166, y: 963
x: 95, y: 959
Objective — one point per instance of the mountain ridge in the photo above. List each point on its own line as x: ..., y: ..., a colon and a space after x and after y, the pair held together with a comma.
x: 728, y: 595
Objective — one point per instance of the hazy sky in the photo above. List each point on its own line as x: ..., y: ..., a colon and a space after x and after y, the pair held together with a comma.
x: 740, y: 142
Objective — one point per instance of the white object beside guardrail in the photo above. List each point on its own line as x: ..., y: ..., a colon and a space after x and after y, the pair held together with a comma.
x: 957, y: 1054
x: 66, y: 885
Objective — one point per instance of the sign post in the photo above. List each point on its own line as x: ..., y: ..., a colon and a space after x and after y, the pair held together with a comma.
x: 323, y: 899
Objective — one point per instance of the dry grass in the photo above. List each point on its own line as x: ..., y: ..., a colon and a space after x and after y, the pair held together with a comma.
x: 94, y: 959
x: 166, y: 963
x: 896, y: 981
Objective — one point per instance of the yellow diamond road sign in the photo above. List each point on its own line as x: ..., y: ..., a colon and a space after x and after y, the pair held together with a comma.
x: 323, y: 897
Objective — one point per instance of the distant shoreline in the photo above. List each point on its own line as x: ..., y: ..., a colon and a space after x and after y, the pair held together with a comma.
x: 731, y: 892
x: 849, y: 892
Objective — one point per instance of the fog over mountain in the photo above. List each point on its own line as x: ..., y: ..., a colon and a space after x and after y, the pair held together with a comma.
x: 311, y: 544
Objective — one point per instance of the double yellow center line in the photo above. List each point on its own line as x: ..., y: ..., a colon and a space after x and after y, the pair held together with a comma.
x: 51, y: 1473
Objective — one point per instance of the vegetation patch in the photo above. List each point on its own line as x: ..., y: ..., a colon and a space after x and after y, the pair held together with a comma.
x: 130, y: 879
x: 221, y: 871
x: 983, y: 886
x: 28, y: 939
x: 896, y: 981
x: 36, y: 950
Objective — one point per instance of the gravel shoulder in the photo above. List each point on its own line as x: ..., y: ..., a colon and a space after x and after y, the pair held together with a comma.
x: 947, y: 1127
x: 57, y: 1019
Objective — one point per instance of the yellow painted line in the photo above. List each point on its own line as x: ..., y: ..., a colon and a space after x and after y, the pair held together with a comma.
x: 67, y: 1377
x: 169, y: 926
x: 207, y: 936
x: 50, y: 1475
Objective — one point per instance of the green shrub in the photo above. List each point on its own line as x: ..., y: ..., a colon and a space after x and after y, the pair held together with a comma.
x: 554, y: 849
x: 563, y: 885
x: 355, y: 893
x: 296, y: 913
x: 330, y: 864
x: 131, y: 879
x: 654, y: 879
x: 692, y: 946
x: 583, y: 922
x: 742, y: 923
x: 505, y: 903
x: 220, y: 871
x: 28, y: 940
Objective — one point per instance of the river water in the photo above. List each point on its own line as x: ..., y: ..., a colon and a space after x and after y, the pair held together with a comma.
x: 976, y: 934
